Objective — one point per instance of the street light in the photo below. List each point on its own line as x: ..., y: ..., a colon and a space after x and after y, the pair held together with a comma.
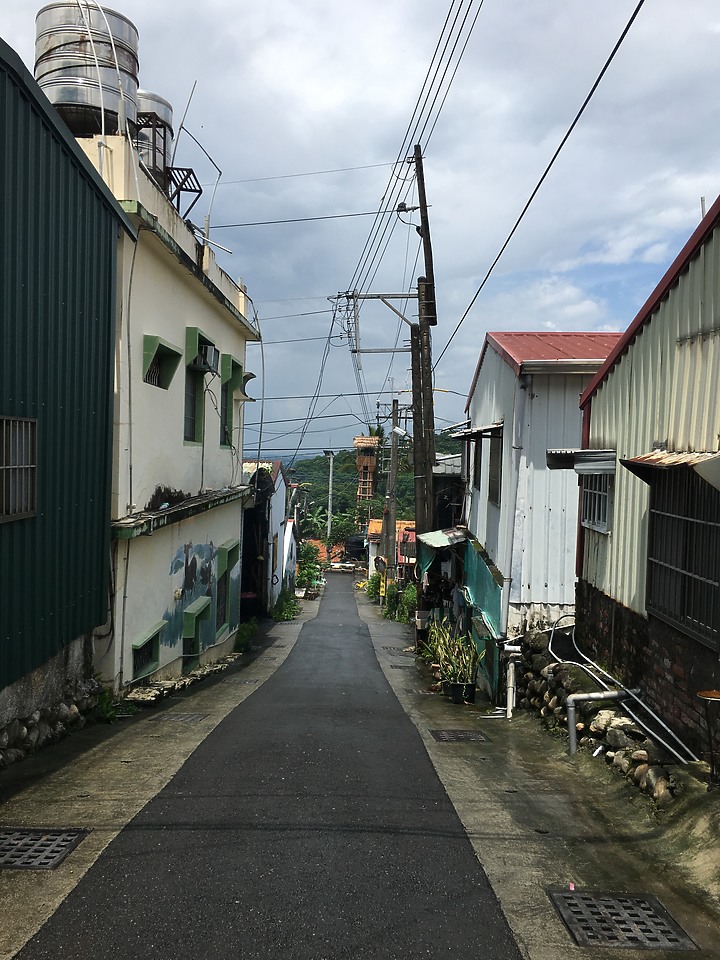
x: 331, y: 454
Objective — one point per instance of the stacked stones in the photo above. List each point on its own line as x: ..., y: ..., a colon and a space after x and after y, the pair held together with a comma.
x: 24, y: 736
x: 154, y: 691
x: 544, y: 686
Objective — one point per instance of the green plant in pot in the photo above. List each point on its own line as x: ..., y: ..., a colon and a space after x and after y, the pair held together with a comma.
x: 458, y: 659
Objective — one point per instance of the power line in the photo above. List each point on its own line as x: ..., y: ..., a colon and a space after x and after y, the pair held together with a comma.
x: 269, y: 223
x: 311, y: 173
x: 540, y: 182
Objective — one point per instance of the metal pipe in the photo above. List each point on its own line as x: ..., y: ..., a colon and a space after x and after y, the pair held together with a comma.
x: 633, y: 695
x: 583, y: 698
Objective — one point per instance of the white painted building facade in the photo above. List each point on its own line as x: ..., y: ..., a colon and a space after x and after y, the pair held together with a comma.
x: 524, y: 400
x: 178, y: 494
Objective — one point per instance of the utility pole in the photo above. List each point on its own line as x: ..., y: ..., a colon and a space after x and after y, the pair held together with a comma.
x: 419, y: 474
x: 392, y: 494
x: 427, y: 317
x: 331, y: 454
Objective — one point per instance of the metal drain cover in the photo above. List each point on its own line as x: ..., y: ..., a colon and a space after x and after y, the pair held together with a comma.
x: 36, y: 849
x: 458, y: 736
x: 180, y: 717
x: 402, y: 666
x: 264, y: 659
x: 612, y: 920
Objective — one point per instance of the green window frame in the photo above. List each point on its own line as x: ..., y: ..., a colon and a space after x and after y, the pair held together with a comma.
x: 160, y: 361
x: 194, y: 417
x: 228, y: 555
x: 232, y: 387
x: 146, y: 651
x: 193, y: 614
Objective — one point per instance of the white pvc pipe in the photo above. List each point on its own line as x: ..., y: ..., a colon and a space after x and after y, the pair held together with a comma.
x: 584, y: 698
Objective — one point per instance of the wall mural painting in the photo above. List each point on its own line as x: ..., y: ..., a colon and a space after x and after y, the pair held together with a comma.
x: 192, y: 572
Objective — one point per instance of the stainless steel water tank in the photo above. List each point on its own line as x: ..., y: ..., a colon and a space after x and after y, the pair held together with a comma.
x: 154, y: 132
x: 68, y: 39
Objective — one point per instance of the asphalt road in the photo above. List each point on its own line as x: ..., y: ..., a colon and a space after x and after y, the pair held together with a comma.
x: 309, y: 824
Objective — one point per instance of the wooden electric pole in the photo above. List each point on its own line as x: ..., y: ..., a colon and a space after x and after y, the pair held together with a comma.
x: 427, y: 317
x: 392, y: 496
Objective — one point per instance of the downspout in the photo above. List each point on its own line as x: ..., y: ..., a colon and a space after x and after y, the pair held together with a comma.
x: 576, y: 698
x: 524, y: 384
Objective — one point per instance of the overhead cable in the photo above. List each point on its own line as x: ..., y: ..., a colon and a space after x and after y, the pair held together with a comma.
x: 540, y: 182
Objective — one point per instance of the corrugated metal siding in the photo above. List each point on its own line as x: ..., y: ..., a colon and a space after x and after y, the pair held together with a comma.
x: 548, y: 511
x: 664, y: 388
x: 58, y: 241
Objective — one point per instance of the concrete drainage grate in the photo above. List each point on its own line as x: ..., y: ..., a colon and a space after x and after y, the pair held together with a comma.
x: 611, y: 920
x: 36, y: 849
x: 180, y: 717
x: 240, y: 682
x: 264, y: 659
x: 458, y: 736
x: 414, y: 690
x: 402, y: 666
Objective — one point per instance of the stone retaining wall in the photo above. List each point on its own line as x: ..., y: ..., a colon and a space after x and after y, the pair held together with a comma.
x: 23, y: 737
x: 544, y: 684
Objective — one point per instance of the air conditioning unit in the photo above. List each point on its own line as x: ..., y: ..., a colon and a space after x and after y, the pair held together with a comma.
x: 208, y: 358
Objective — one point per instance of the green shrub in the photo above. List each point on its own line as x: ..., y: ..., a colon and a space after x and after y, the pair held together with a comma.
x: 287, y: 606
x: 392, y: 596
x: 106, y: 709
x: 308, y: 572
x: 245, y: 633
x: 373, y: 586
x: 407, y: 604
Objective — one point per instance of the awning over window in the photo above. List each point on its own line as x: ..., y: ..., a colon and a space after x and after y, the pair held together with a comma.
x: 437, y: 539
x: 474, y: 433
x: 706, y: 465
x: 582, y: 461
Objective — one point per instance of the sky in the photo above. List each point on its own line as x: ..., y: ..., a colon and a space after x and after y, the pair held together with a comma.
x: 310, y: 108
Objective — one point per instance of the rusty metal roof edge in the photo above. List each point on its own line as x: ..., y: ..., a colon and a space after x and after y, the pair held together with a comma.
x: 145, y: 524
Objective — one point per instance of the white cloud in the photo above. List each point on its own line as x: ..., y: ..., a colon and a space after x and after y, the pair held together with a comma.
x: 288, y: 88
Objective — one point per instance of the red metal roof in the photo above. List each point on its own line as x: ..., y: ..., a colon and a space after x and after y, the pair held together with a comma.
x: 519, y: 348
x: 679, y: 264
x: 522, y: 346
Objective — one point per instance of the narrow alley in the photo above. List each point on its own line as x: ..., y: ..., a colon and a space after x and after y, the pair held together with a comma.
x: 310, y: 818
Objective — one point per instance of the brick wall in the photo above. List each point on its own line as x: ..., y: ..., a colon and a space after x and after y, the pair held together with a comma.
x: 669, y: 666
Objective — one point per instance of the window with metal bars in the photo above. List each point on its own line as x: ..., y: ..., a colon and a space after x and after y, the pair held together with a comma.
x: 596, y: 504
x: 225, y: 418
x: 683, y: 583
x: 146, y: 655
x: 477, y: 462
x: 153, y: 372
x: 18, y: 468
x: 194, y: 405
x: 495, y: 470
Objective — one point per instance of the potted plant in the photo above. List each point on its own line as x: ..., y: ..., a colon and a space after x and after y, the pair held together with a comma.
x: 458, y: 660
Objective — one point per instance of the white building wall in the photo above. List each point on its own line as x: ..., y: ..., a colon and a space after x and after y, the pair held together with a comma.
x: 166, y: 284
x: 663, y: 389
x: 532, y: 538
x: 158, y: 577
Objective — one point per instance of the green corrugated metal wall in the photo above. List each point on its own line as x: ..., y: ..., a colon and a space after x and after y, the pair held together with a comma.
x: 58, y: 247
